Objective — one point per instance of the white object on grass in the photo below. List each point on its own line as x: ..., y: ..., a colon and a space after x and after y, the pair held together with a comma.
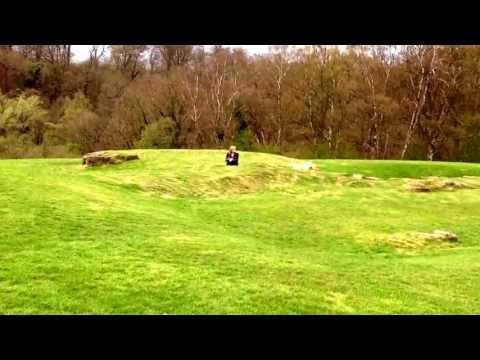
x: 302, y: 167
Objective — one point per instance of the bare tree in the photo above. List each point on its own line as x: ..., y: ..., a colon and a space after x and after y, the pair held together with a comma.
x: 58, y: 54
x: 281, y: 66
x: 443, y: 96
x: 223, y: 90
x: 193, y: 99
x: 421, y: 63
x: 32, y: 52
x: 375, y: 65
x: 97, y: 53
x: 172, y: 55
x: 128, y: 59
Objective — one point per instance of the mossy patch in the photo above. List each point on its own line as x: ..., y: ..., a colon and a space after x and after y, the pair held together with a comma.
x: 413, y: 241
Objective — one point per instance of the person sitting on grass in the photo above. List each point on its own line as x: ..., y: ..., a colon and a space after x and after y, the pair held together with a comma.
x: 232, y: 157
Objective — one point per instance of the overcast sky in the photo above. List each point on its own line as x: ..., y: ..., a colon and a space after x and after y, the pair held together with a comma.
x: 80, y: 52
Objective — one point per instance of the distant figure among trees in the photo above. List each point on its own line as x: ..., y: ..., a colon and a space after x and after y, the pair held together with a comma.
x: 232, y: 157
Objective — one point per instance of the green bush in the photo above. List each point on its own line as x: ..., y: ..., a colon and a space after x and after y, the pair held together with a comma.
x: 321, y: 151
x: 416, y: 151
x: 470, y: 148
x: 244, y: 140
x: 300, y: 150
x: 158, y: 135
x: 269, y: 149
x: 347, y: 151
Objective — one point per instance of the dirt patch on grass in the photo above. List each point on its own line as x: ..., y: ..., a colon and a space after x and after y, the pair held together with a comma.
x: 106, y: 158
x: 356, y: 180
x: 414, y: 241
x: 432, y: 184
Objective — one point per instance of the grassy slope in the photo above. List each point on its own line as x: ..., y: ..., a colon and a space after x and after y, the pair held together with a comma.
x: 165, y: 235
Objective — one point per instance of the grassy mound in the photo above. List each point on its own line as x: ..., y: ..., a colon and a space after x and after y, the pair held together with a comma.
x: 202, y: 173
x: 179, y: 232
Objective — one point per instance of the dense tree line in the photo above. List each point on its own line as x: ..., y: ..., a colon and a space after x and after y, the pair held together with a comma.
x: 375, y: 102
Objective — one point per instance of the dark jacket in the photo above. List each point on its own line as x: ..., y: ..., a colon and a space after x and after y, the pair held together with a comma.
x: 231, y: 159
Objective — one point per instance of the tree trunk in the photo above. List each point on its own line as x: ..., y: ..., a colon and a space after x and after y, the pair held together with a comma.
x: 431, y: 151
x: 419, y: 103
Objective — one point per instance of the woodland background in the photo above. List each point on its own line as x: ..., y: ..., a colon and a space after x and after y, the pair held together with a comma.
x: 371, y: 102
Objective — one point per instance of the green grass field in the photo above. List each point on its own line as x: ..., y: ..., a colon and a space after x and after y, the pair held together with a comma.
x: 177, y: 232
